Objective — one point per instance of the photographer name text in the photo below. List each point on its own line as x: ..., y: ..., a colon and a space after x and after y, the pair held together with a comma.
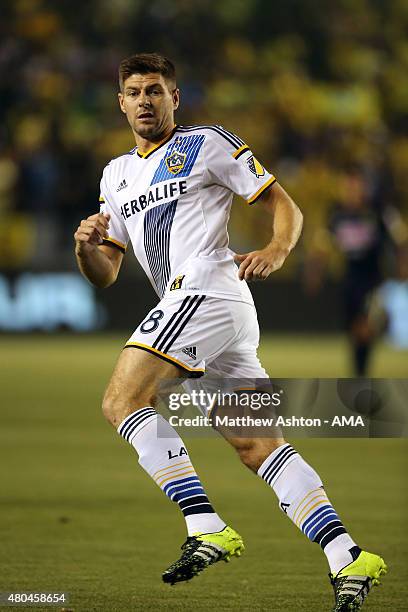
x: 280, y: 421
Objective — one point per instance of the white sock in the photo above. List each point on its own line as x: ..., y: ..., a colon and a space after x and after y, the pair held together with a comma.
x: 164, y: 457
x: 302, y: 497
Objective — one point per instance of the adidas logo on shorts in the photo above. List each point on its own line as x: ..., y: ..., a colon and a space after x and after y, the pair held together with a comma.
x: 122, y: 185
x: 191, y: 351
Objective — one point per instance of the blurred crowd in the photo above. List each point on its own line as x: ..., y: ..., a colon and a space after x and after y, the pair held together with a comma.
x: 315, y: 88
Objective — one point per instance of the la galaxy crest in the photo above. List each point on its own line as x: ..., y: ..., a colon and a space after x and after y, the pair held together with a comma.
x: 175, y: 162
x: 255, y: 167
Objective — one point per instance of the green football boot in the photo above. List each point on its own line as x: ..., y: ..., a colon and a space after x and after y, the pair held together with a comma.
x: 353, y: 583
x: 202, y: 550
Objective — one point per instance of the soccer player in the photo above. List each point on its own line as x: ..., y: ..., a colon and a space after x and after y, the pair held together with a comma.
x: 171, y: 197
x: 362, y: 232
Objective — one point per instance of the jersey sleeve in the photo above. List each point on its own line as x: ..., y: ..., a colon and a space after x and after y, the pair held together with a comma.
x: 231, y: 163
x: 118, y: 235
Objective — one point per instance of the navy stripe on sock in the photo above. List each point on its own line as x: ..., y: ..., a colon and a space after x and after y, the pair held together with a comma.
x: 279, y: 466
x: 194, y: 500
x: 198, y: 509
x: 180, y: 485
x: 281, y: 450
x: 321, y: 512
x: 278, y: 463
x: 187, y: 493
x: 133, y: 421
x: 329, y: 537
x: 325, y: 530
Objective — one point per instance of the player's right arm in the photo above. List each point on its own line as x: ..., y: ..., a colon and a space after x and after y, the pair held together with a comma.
x: 98, y: 262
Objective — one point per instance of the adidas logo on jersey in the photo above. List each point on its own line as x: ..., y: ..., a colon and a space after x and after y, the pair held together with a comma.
x: 191, y: 351
x: 122, y: 185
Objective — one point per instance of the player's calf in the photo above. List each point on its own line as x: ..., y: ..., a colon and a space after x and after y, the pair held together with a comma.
x: 163, y: 455
x: 129, y: 406
x: 301, y: 496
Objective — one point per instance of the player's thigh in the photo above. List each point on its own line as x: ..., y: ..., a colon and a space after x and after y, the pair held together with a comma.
x: 163, y: 346
x: 239, y: 368
x: 135, y: 382
x: 188, y: 331
x: 236, y: 364
x: 239, y: 362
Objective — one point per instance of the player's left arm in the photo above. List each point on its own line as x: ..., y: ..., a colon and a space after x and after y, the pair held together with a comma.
x: 287, y: 223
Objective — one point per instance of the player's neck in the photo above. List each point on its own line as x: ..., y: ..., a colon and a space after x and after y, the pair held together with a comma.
x: 144, y: 145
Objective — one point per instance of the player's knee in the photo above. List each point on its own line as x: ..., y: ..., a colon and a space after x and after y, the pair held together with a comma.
x: 254, y: 452
x: 246, y: 453
x: 250, y: 454
x: 111, y: 408
x: 117, y: 405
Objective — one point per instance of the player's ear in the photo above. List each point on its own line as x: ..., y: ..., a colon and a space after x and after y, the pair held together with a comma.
x: 120, y: 98
x: 176, y: 98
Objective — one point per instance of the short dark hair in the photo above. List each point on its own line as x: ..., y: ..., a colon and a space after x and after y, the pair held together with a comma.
x: 145, y: 63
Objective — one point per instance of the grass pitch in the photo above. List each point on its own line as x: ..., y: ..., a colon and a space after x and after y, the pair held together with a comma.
x: 77, y: 514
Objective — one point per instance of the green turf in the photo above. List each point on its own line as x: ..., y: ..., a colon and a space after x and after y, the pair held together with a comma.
x: 78, y: 514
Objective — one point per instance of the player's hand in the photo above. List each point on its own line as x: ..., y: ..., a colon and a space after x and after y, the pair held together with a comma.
x: 258, y: 265
x: 92, y: 231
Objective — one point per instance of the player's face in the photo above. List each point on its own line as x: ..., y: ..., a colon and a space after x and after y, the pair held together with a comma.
x: 149, y: 102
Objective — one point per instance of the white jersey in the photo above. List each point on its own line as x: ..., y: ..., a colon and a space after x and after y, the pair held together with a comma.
x: 173, y: 203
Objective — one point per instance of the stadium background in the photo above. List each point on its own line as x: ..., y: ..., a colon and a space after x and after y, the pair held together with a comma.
x: 313, y: 87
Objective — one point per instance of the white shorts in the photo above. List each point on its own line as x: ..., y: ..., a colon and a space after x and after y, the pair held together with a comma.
x: 203, y: 335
